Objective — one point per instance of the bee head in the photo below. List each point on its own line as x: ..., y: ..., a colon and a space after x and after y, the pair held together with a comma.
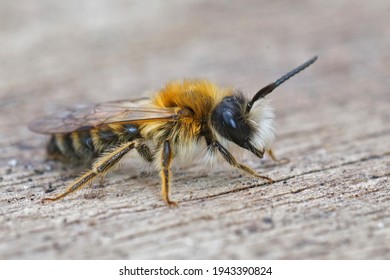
x: 249, y: 123
x: 250, y: 130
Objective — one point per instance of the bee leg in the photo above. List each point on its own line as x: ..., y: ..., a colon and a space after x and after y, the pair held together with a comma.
x: 272, y: 156
x: 100, y: 167
x: 145, y: 152
x: 166, y: 158
x: 101, y: 181
x: 232, y: 161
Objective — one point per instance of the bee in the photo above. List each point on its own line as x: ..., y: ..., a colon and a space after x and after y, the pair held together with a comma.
x: 180, y: 116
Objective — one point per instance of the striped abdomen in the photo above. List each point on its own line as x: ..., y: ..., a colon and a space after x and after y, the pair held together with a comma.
x: 88, y: 144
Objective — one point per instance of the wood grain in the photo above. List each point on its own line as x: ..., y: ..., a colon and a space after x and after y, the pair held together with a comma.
x: 331, y: 201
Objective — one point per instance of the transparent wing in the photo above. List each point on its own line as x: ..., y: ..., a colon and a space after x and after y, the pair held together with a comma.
x: 92, y: 116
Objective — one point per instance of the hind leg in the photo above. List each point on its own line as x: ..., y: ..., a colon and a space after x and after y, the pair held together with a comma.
x: 101, y: 166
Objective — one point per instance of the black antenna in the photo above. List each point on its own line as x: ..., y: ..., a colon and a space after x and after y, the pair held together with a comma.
x: 269, y: 88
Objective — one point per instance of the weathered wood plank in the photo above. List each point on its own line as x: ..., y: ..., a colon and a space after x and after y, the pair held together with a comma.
x: 330, y: 201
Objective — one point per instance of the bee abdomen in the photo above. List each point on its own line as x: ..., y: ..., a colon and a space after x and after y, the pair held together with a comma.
x: 88, y: 144
x: 52, y: 147
x: 75, y: 145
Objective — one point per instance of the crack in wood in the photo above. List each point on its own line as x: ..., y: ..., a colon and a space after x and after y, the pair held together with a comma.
x: 364, y: 159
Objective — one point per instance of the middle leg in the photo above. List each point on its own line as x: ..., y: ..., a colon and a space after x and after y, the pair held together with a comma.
x: 166, y: 158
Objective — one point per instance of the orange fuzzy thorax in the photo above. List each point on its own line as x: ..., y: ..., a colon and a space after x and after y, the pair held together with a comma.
x: 199, y: 95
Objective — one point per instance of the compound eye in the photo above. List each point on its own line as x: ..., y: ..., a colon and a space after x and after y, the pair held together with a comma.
x: 228, y: 119
x: 231, y: 128
x: 235, y: 130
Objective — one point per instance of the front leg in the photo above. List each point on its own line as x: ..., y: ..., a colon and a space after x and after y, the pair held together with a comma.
x: 166, y: 158
x: 274, y: 158
x: 232, y: 161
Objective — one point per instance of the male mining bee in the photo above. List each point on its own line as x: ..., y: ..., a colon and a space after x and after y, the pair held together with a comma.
x: 168, y: 125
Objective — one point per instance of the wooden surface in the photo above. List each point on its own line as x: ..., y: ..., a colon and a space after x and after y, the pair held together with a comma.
x: 331, y: 201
